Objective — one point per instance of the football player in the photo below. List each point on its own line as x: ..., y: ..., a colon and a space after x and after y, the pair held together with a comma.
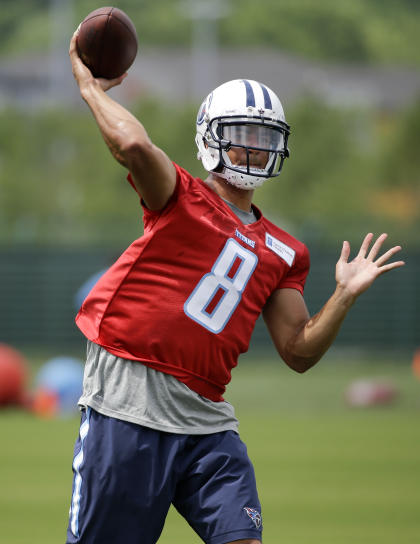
x: 166, y: 323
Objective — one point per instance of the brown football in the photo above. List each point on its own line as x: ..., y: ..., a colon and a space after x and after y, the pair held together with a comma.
x: 107, y: 42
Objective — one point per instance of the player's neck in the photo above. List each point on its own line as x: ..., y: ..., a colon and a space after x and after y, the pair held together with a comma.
x: 241, y: 198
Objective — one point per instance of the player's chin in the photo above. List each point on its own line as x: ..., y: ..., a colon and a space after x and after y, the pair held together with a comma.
x: 259, y: 161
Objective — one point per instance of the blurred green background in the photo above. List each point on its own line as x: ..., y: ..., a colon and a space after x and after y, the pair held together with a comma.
x: 348, y: 74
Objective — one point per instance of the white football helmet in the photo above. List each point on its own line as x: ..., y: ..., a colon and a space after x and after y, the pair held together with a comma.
x: 247, y: 117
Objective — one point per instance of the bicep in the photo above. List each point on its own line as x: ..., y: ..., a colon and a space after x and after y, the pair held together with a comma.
x: 285, y: 314
x: 153, y: 174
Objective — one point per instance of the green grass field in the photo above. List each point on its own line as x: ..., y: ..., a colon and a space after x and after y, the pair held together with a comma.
x: 327, y: 473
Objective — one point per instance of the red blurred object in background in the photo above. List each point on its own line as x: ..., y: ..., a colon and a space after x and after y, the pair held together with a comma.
x: 370, y: 393
x: 45, y: 403
x: 416, y: 363
x: 13, y: 375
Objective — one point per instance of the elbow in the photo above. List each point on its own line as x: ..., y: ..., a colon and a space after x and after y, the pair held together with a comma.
x: 300, y: 364
x: 134, y: 150
x: 126, y: 151
x: 299, y: 356
x: 136, y: 146
x: 301, y: 369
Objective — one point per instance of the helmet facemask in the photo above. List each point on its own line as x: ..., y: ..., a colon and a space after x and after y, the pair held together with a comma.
x: 259, y: 148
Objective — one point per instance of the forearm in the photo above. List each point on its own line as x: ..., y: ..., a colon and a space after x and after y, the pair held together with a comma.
x: 121, y: 131
x: 152, y: 171
x: 302, y: 340
x: 312, y: 340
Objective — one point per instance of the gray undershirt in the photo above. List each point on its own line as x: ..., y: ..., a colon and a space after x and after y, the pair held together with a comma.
x: 246, y: 217
x: 131, y: 391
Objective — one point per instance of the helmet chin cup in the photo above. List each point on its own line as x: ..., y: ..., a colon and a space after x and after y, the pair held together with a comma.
x: 242, y: 181
x: 242, y: 107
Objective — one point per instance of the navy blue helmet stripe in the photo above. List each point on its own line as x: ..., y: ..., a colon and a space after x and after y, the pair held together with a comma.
x: 250, y: 98
x: 267, y: 99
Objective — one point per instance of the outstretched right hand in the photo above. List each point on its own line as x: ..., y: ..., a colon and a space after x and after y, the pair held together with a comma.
x: 83, y: 75
x: 358, y: 275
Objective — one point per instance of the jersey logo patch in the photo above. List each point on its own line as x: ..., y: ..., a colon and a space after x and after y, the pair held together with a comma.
x: 282, y: 250
x: 254, y: 515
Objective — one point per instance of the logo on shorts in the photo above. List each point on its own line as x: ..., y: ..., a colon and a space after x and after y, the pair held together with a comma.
x: 254, y: 515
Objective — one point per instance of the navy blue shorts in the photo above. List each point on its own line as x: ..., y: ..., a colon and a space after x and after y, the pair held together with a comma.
x: 126, y: 476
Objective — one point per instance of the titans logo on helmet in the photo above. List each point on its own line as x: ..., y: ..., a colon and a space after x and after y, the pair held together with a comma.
x: 204, y: 108
x: 254, y: 515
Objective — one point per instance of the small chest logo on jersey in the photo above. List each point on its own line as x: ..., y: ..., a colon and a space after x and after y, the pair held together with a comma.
x: 281, y: 249
x: 244, y: 238
x: 254, y: 515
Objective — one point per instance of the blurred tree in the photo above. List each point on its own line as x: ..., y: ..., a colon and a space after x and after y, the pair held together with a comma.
x: 402, y: 158
x: 59, y: 183
x: 320, y: 30
x: 350, y: 172
x: 397, y: 194
x: 358, y: 31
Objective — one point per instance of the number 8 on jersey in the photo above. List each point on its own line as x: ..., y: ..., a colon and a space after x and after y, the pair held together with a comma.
x: 218, y: 293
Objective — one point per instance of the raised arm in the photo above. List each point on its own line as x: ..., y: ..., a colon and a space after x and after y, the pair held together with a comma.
x: 153, y: 173
x: 302, y: 340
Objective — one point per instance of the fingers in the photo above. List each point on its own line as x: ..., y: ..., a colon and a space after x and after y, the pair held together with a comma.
x: 365, y: 245
x: 383, y: 259
x: 390, y: 266
x: 387, y: 255
x: 364, y: 252
x: 345, y: 252
x: 73, y: 53
x: 107, y: 84
x: 380, y: 262
x: 80, y: 71
x: 377, y: 246
x: 73, y: 42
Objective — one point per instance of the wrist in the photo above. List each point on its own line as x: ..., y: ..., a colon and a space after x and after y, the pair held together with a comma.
x: 344, y: 296
x: 88, y: 88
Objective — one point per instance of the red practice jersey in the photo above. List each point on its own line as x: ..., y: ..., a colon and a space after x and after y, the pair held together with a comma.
x: 184, y: 298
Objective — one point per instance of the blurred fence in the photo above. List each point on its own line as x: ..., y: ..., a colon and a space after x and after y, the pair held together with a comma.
x: 38, y: 287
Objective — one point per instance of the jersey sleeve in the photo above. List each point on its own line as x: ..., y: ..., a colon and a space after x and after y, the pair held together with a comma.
x: 150, y: 216
x: 296, y: 277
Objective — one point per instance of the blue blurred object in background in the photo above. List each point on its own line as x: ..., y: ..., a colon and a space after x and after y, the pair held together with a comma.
x: 58, y: 387
x: 85, y: 289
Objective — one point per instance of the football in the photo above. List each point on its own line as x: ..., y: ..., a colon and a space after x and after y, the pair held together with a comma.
x: 107, y: 42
